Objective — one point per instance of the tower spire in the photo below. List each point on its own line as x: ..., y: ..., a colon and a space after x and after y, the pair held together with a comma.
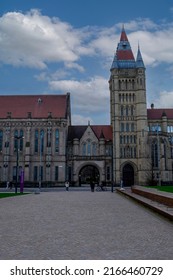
x: 139, y: 60
x: 124, y: 57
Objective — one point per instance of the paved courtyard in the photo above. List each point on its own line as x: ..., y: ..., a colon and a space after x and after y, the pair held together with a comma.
x: 81, y: 225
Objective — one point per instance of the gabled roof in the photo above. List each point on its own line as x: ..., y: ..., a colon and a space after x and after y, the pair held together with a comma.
x: 77, y: 131
x: 154, y: 114
x: 38, y: 106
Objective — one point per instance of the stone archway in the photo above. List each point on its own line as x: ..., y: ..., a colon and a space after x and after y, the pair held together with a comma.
x: 128, y: 175
x: 87, y: 174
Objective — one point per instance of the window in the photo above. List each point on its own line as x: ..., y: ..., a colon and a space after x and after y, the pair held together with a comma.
x: 108, y: 173
x: 14, y: 173
x: 127, y: 110
x: 15, y: 140
x: 84, y: 149
x: 155, y: 128
x: 21, y: 140
x: 132, y: 110
x: 42, y: 141
x: 41, y: 172
x: 94, y: 149
x: 127, y: 127
x: 36, y: 141
x: 132, y: 127
x: 154, y: 154
x: 169, y: 128
x: 57, y: 141
x: 49, y: 134
x: 1, y: 139
x: 18, y: 140
x: 56, y: 173
x: 35, y: 173
x: 122, y: 111
x: 89, y: 148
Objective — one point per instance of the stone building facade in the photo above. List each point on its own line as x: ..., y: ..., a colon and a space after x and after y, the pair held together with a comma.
x: 89, y: 154
x: 33, y: 136
x: 142, y: 138
x: 37, y: 138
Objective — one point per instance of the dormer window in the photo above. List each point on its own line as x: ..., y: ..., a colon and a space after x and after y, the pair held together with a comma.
x: 39, y: 100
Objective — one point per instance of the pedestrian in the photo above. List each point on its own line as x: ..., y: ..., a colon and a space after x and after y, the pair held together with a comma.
x: 7, y: 185
x: 92, y: 185
x: 121, y: 185
x: 67, y: 185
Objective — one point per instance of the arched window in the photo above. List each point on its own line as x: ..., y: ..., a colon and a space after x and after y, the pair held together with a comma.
x: 42, y: 141
x: 127, y: 110
x: 131, y: 110
x: 122, y: 110
x: 89, y: 148
x: 133, y: 84
x: 84, y: 149
x: 1, y: 140
x: 132, y: 127
x: 94, y: 149
x: 49, y: 135
x: 127, y: 127
x: 36, y: 141
x: 15, y: 140
x: 21, y: 140
x: 154, y: 154
x: 57, y: 141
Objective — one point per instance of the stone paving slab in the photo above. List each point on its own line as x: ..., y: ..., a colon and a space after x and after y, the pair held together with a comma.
x: 81, y: 225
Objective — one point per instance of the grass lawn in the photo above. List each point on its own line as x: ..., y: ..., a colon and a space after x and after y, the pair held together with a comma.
x: 162, y: 188
x: 2, y: 195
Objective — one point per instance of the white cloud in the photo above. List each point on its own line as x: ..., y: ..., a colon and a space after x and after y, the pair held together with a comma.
x: 34, y: 40
x: 165, y: 100
x: 87, y: 96
x: 81, y: 120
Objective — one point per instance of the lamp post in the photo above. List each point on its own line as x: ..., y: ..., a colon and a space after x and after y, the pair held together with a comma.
x: 17, y: 159
x: 158, y: 155
x: 112, y: 175
x: 40, y: 169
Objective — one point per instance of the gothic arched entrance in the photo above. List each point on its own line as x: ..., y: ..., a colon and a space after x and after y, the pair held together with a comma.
x: 87, y: 174
x: 128, y: 175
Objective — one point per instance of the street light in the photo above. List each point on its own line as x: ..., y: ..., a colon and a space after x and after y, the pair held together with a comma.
x: 41, y: 147
x: 17, y: 159
x: 158, y: 155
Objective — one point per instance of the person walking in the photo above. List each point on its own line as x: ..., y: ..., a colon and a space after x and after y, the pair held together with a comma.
x: 7, y: 185
x: 121, y: 185
x: 67, y: 185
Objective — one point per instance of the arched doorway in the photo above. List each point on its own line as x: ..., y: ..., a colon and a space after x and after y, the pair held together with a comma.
x: 87, y: 174
x: 128, y: 175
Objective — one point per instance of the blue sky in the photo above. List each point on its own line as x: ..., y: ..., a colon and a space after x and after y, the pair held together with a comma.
x: 54, y: 47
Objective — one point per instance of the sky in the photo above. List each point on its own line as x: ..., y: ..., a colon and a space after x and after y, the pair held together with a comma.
x: 55, y: 47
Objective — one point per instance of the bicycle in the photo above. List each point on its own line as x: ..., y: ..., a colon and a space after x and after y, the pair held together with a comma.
x: 101, y: 189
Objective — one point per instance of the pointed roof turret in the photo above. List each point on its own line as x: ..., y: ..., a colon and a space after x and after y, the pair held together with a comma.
x: 123, y: 36
x: 139, y: 60
x: 124, y: 57
x: 102, y: 135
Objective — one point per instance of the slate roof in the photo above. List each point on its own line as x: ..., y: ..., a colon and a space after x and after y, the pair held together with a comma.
x: 154, y: 114
x: 18, y: 106
x: 124, y: 57
x: 77, y: 131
